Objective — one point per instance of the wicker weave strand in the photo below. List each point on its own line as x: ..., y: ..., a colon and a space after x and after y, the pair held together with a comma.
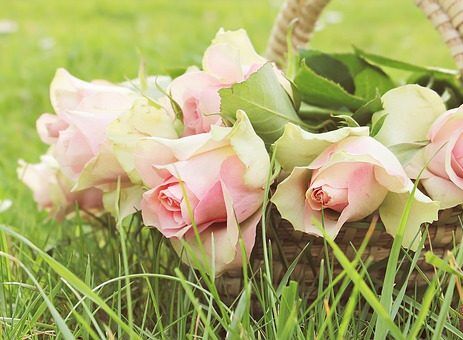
x: 304, y: 14
x: 445, y: 15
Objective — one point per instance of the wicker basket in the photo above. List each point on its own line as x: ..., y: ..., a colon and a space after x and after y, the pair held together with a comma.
x: 447, y: 17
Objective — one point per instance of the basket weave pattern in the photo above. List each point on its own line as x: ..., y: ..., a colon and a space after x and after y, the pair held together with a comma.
x: 447, y: 18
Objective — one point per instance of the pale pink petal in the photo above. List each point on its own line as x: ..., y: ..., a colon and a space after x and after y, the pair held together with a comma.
x: 211, y: 207
x: 246, y: 200
x: 90, y: 126
x: 388, y: 172
x: 197, y: 94
x: 444, y: 191
x: 220, y: 241
x: 446, y: 124
x: 40, y: 178
x: 449, y: 169
x: 458, y: 150
x: 199, y: 172
x: 89, y: 199
x: 49, y: 126
x: 102, y: 170
x: 314, y: 220
x: 223, y: 62
x: 434, y: 155
x: 365, y: 195
x: 72, y: 152
x: 239, y: 41
x: 70, y: 93
x: 336, y: 175
x: 247, y: 231
x: 148, y: 154
x: 289, y: 197
x: 153, y: 213
x: 333, y: 198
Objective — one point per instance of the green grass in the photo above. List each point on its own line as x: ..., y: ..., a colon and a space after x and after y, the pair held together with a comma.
x: 74, y: 280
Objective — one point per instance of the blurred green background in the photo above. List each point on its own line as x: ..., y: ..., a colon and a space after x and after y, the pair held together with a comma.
x: 104, y: 39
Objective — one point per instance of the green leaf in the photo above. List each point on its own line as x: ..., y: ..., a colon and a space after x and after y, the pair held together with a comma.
x: 330, y: 68
x: 347, y: 120
x: 265, y: 102
x: 364, y: 114
x: 354, y: 63
x: 392, y: 63
x: 377, y: 121
x: 320, y: 91
x: 370, y: 82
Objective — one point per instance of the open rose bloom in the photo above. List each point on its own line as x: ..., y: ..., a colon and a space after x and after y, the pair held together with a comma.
x: 94, y: 127
x: 434, y: 138
x: 211, y: 184
x: 78, y: 129
x: 345, y: 176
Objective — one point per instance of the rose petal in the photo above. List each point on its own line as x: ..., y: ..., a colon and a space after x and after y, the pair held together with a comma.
x: 72, y: 152
x: 365, y: 194
x: 446, y: 124
x: 147, y: 154
x: 70, y: 93
x: 199, y: 172
x: 289, y: 197
x: 411, y: 110
x: 49, y: 127
x: 297, y: 147
x: 220, y: 245
x: 246, y: 200
x: 127, y: 203
x: 449, y: 169
x: 103, y: 169
x: 443, y: 191
x: 388, y: 170
x: 211, y: 207
x: 239, y: 41
x: 423, y: 210
x: 223, y: 62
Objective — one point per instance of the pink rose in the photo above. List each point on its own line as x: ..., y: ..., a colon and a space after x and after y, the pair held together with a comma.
x: 83, y: 112
x: 52, y: 190
x: 213, y: 180
x: 428, y: 140
x: 442, y: 160
x: 230, y: 59
x: 344, y: 175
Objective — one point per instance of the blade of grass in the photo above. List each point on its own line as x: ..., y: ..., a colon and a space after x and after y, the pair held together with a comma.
x: 62, y: 327
x: 448, y: 298
x: 381, y: 329
x: 426, y: 304
x: 367, y: 293
x: 71, y: 278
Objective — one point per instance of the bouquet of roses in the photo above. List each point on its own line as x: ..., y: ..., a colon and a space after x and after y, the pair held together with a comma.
x: 332, y: 135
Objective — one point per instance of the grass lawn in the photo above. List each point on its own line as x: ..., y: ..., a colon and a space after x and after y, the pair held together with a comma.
x: 104, y: 39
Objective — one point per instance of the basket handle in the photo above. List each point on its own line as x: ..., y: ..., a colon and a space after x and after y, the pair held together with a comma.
x: 445, y: 15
